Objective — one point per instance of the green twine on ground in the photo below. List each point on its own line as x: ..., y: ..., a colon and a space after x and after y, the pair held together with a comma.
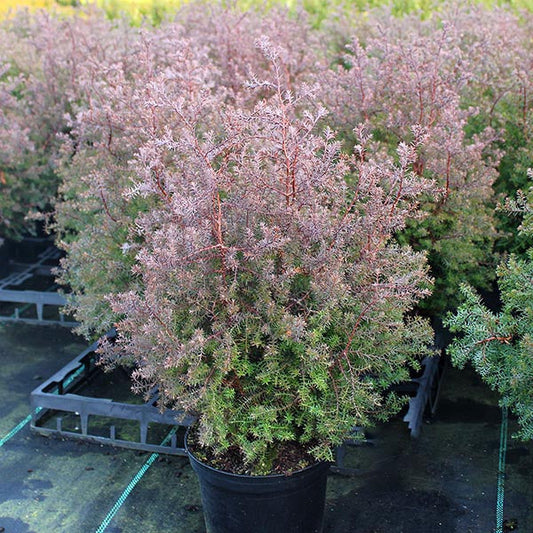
x: 125, y: 493
x: 23, y: 423
x: 501, y: 472
x: 17, y: 428
x: 131, y: 485
x: 122, y: 498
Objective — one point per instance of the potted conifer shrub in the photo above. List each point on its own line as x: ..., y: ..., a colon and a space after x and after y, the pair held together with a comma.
x: 269, y: 298
x: 250, y: 265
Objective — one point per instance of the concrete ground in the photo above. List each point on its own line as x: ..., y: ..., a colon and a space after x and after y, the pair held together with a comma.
x: 445, y: 481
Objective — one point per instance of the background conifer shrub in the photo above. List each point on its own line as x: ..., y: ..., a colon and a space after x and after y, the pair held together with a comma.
x: 414, y: 72
x: 499, y: 343
x: 229, y: 35
x: 42, y: 87
x: 499, y: 53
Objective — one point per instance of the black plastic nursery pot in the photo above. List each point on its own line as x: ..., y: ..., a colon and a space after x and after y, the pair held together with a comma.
x: 235, y: 503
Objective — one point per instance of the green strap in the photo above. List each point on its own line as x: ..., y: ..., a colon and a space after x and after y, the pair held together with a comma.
x: 501, y: 472
x: 131, y: 485
x: 15, y: 430
x: 21, y: 425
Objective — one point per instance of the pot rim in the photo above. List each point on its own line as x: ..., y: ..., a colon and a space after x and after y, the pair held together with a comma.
x: 301, y: 471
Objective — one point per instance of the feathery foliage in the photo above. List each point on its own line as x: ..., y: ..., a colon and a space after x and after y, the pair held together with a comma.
x: 397, y: 73
x: 42, y: 63
x: 270, y: 299
x: 500, y: 344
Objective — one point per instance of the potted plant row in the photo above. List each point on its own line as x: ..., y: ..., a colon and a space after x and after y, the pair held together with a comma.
x: 251, y: 261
